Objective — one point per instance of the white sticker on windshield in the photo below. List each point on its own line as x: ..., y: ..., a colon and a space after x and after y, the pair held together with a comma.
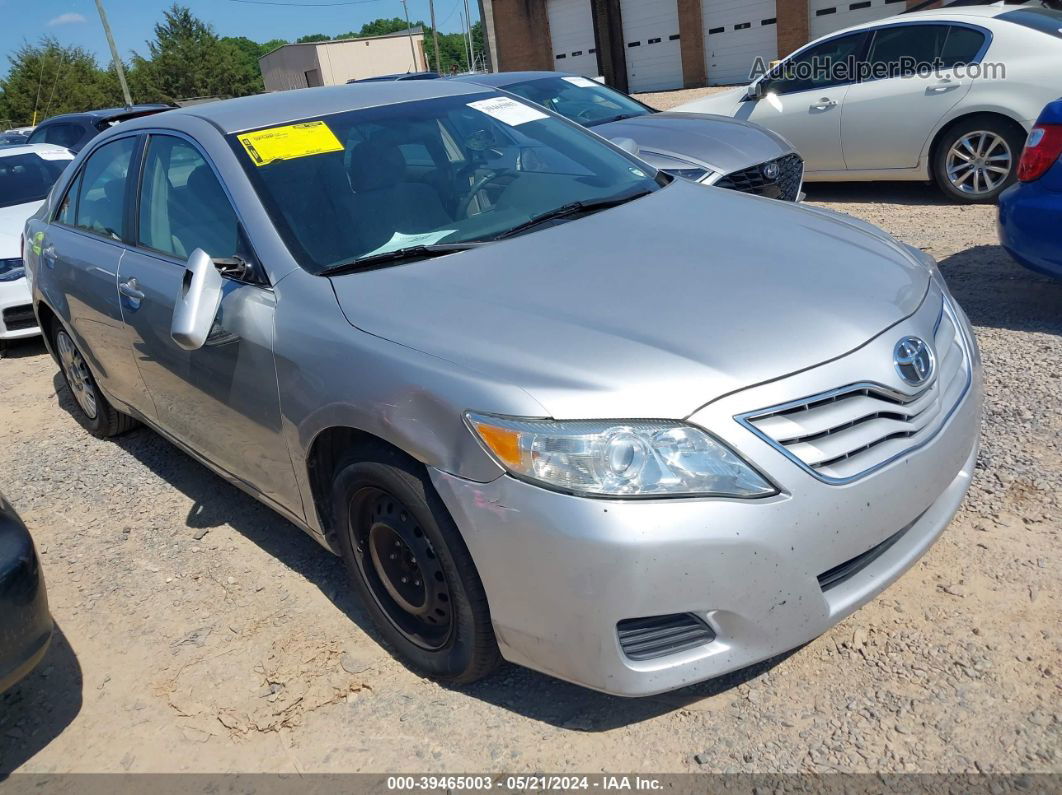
x: 507, y: 111
x: 582, y: 82
x: 46, y: 155
x: 402, y: 240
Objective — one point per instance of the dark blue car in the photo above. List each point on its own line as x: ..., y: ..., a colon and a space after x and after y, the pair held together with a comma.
x: 1030, y: 212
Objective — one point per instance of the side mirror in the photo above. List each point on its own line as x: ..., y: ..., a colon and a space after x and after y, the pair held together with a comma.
x: 197, y: 302
x: 756, y: 91
x: 628, y: 145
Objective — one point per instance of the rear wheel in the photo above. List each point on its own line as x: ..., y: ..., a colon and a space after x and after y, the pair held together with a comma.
x: 411, y: 568
x: 977, y: 159
x: 93, y: 409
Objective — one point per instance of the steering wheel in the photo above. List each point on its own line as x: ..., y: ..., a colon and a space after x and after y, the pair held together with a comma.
x: 477, y: 186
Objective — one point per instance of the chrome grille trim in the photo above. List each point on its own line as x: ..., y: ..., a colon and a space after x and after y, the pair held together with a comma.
x: 820, y: 433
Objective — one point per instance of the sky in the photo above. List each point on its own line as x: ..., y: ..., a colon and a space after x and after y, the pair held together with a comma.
x: 132, y: 21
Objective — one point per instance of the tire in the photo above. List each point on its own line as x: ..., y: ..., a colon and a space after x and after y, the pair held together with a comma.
x: 388, y: 514
x: 989, y: 143
x: 93, y: 411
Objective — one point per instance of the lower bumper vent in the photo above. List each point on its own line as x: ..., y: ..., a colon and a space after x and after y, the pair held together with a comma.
x: 658, y: 636
x: 850, y: 568
x: 18, y: 318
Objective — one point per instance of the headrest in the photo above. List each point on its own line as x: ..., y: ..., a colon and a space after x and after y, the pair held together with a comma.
x: 375, y: 165
x: 204, y: 187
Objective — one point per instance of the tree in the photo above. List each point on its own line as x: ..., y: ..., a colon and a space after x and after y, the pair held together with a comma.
x: 187, y: 59
x: 49, y: 78
x: 271, y: 45
x: 381, y: 27
x: 312, y: 37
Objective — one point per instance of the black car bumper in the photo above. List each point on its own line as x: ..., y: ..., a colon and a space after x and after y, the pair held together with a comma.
x: 25, y: 623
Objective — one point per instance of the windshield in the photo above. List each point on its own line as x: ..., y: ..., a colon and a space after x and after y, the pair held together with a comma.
x: 580, y: 99
x: 28, y: 178
x: 351, y: 185
x: 1043, y: 19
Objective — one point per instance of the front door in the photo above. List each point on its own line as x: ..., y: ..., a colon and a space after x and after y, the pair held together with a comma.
x: 221, y: 400
x: 805, y: 100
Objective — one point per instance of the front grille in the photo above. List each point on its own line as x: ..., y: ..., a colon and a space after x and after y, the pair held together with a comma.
x: 842, y: 435
x: 658, y: 636
x: 17, y: 318
x: 785, y: 186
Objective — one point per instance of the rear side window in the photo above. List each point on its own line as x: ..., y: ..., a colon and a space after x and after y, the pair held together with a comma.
x: 898, y: 51
x: 1042, y: 19
x: 962, y: 46
x: 101, y: 200
x: 182, y: 205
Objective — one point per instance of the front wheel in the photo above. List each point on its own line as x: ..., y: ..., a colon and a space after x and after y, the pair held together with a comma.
x: 412, y: 570
x: 977, y: 159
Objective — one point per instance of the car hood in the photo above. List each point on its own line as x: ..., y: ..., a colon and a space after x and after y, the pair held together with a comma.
x: 725, y: 103
x: 650, y: 309
x: 12, y: 222
x: 717, y: 142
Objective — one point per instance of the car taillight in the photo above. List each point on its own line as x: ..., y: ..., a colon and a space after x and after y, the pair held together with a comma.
x: 1041, y: 151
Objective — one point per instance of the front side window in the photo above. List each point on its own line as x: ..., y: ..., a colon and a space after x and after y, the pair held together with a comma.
x: 101, y: 200
x: 832, y: 63
x: 27, y: 178
x: 580, y: 99
x: 60, y: 134
x: 450, y: 170
x: 182, y: 205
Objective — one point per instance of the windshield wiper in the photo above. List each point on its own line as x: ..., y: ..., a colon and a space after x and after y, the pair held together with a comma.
x: 610, y: 119
x: 399, y: 255
x: 573, y: 208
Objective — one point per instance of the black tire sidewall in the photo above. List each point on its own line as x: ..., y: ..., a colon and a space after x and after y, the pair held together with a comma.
x: 1015, y: 140
x: 456, y: 661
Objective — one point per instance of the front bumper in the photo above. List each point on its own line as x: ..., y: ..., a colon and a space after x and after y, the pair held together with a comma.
x: 16, y: 311
x: 561, y: 572
x: 25, y: 622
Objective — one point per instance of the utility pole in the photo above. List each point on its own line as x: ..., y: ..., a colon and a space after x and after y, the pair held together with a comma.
x: 114, y: 53
x: 468, y: 30
x: 409, y: 30
x: 435, y: 36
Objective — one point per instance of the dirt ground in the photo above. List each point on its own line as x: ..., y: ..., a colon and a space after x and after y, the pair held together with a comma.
x: 198, y: 631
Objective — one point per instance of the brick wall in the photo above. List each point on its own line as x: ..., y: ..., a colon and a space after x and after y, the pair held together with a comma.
x: 521, y: 29
x: 793, y: 26
x: 691, y: 32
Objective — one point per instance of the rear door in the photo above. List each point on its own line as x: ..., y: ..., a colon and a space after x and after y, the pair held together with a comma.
x: 913, y: 82
x: 83, y: 246
x: 221, y: 400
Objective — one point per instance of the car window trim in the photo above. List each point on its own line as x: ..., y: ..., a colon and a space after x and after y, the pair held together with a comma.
x: 985, y: 32
x: 261, y: 277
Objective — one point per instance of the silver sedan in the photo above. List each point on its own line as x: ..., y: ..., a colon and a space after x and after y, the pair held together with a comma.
x: 547, y: 404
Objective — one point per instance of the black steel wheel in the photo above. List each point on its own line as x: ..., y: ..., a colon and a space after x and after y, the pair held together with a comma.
x: 411, y: 568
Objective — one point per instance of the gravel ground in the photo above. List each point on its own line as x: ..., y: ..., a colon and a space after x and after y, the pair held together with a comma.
x: 222, y: 639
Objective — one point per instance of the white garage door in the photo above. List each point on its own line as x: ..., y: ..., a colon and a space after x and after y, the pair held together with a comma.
x: 830, y: 15
x: 736, y: 33
x: 651, y: 44
x: 571, y: 28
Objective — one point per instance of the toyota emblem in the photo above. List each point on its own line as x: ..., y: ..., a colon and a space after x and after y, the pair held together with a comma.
x: 914, y: 360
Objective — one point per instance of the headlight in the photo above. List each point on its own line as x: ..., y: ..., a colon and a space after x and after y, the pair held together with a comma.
x: 619, y: 458
x: 677, y: 167
x: 11, y: 269
x: 692, y: 174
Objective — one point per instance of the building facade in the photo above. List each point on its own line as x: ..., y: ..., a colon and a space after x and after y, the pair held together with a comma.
x: 329, y: 63
x: 657, y: 45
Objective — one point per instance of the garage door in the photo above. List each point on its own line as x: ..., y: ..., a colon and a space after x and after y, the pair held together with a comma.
x: 736, y: 33
x: 651, y: 42
x: 830, y: 15
x: 571, y: 28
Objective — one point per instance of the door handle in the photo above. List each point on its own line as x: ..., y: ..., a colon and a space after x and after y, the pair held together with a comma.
x: 941, y: 87
x: 49, y: 255
x: 131, y: 290
x: 824, y: 104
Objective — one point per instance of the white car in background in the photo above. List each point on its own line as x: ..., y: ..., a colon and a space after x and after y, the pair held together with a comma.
x: 27, y: 173
x: 961, y: 124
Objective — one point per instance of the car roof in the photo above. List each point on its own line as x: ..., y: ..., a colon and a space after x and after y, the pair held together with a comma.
x: 501, y: 79
x: 36, y: 149
x: 970, y: 14
x: 266, y: 110
x: 109, y: 113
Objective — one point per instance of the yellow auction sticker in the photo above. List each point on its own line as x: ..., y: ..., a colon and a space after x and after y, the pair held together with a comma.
x: 289, y: 142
